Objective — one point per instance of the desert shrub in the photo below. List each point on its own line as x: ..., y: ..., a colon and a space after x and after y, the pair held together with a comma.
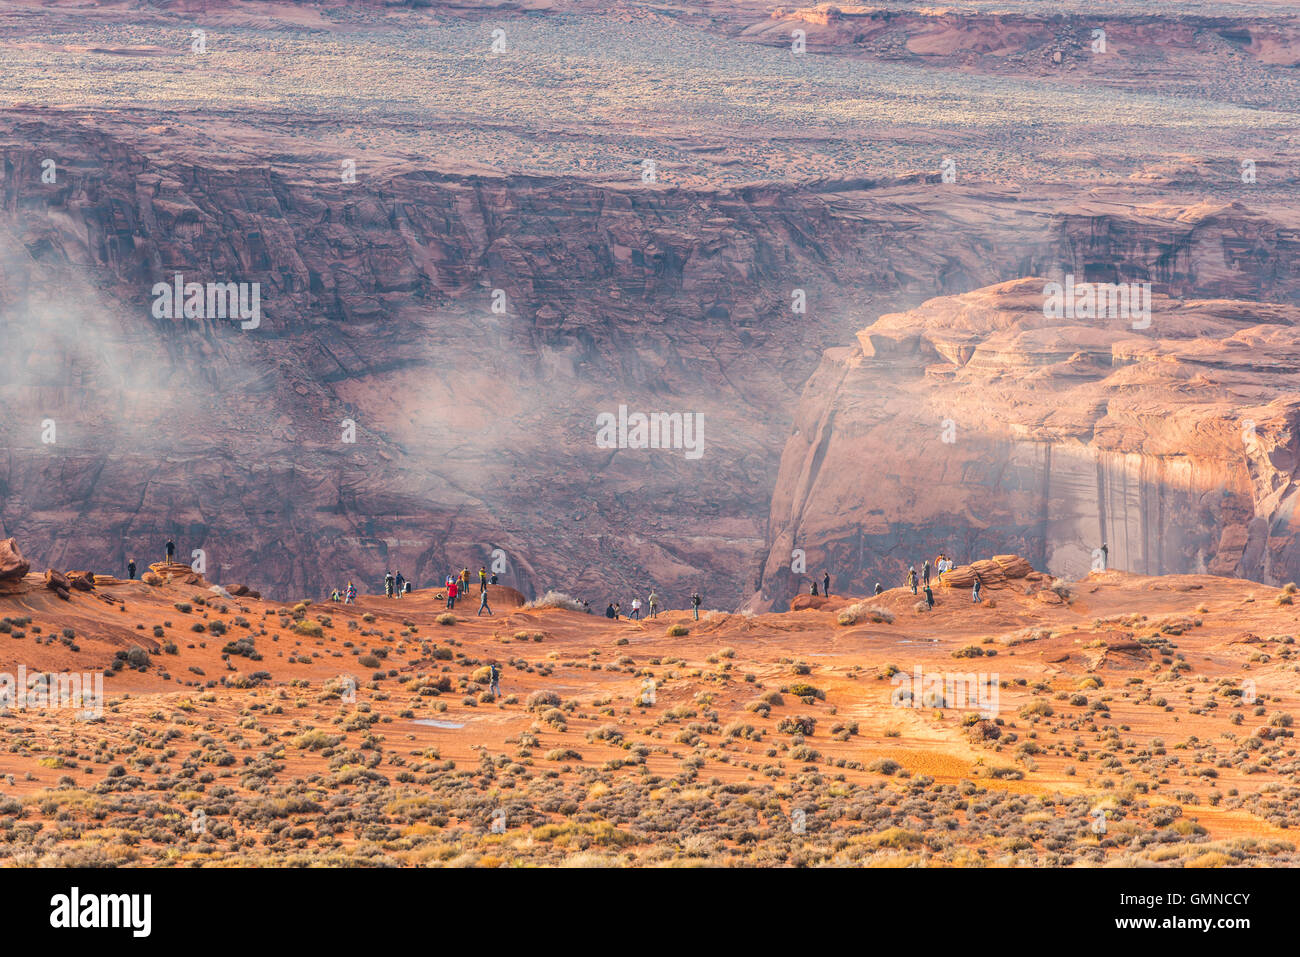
x: 1036, y: 709
x: 447, y: 618
x: 310, y: 629
x: 884, y: 766
x: 316, y: 740
x: 542, y: 699
x: 970, y: 651
x: 606, y: 732
x: 797, y: 724
x: 801, y: 689
x: 242, y: 647
x: 678, y: 631
x: 556, y: 599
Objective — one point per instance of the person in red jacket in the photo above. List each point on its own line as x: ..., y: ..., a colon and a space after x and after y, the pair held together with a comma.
x: 451, y: 594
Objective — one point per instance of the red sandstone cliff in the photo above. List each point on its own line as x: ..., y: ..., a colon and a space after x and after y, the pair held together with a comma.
x: 974, y: 425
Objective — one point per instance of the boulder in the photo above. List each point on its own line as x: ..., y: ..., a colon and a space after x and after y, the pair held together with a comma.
x: 58, y: 583
x: 1013, y: 566
x: 12, y: 564
x: 82, y: 581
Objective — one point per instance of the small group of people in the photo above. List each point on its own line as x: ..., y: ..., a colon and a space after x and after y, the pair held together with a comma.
x: 942, y: 563
x: 919, y: 583
x: 169, y: 550
x: 614, y: 610
x: 347, y: 595
x: 826, y: 584
x: 457, y: 586
x: 395, y: 584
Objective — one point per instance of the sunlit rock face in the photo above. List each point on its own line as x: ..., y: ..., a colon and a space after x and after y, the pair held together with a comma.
x: 978, y: 424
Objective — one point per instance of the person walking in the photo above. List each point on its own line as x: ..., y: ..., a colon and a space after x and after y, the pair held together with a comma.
x: 452, y: 591
x: 695, y: 604
x: 482, y: 603
x: 925, y: 573
x: 826, y: 583
x: 636, y: 609
x: 654, y: 604
x: 482, y: 578
x: 350, y: 595
x: 496, y: 678
x: 388, y: 585
x: 929, y: 596
x: 975, y: 592
x: 911, y: 579
x: 400, y: 581
x: 130, y: 569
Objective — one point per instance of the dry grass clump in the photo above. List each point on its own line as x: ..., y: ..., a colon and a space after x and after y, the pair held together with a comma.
x: 556, y: 599
x: 863, y: 611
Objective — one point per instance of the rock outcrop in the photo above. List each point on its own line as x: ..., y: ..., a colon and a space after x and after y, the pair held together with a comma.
x: 12, y: 564
x: 975, y: 424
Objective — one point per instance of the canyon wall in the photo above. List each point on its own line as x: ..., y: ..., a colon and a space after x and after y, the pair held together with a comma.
x: 976, y: 425
x: 475, y: 429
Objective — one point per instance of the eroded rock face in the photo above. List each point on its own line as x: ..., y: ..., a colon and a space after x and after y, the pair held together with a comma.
x: 974, y: 424
x: 470, y: 425
x: 12, y: 564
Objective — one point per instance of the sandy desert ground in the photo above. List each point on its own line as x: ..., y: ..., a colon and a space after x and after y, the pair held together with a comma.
x: 1130, y: 720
